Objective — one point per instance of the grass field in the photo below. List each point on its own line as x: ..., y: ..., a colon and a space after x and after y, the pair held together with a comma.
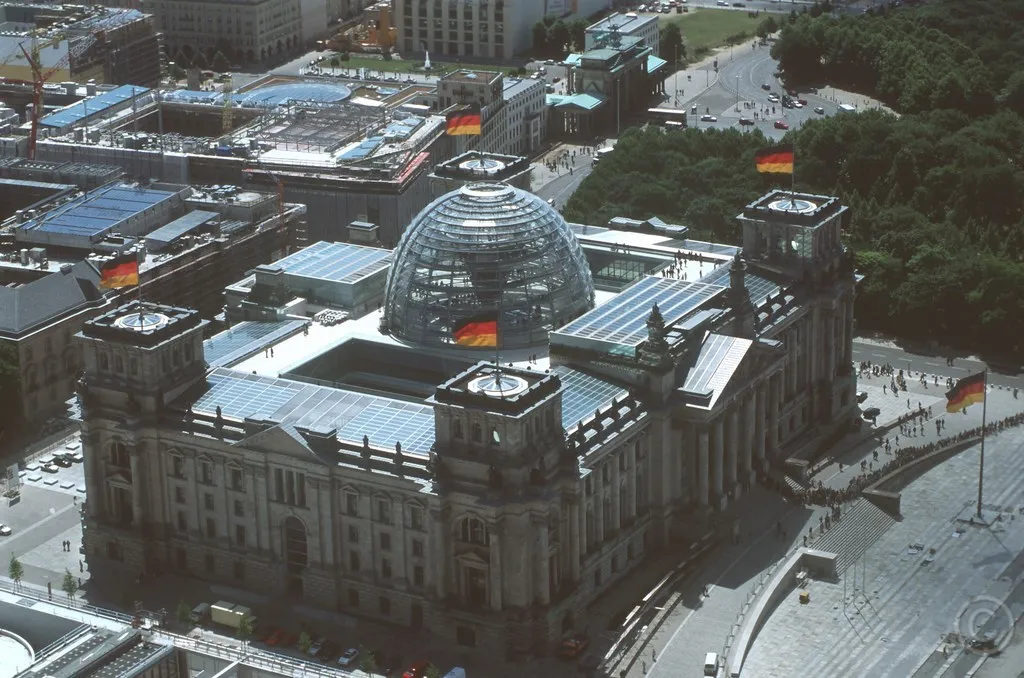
x: 401, y: 66
x: 706, y: 29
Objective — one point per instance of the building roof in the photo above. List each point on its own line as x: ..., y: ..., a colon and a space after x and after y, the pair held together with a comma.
x: 246, y: 339
x: 719, y: 357
x: 24, y: 307
x: 623, y: 23
x: 466, y: 75
x: 167, y: 234
x: 586, y: 102
x: 654, y: 63
x: 513, y: 87
x: 67, y: 117
x: 334, y: 261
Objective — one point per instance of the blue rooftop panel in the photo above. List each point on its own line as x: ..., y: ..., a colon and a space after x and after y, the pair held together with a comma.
x: 96, y: 212
x: 339, y: 262
x: 277, y: 95
x: 246, y: 339
x: 91, y: 106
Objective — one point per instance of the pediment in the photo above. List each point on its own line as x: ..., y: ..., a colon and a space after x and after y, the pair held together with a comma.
x: 471, y: 559
x: 280, y: 439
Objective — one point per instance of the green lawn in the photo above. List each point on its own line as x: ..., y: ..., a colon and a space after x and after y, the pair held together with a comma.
x: 402, y: 66
x: 706, y: 29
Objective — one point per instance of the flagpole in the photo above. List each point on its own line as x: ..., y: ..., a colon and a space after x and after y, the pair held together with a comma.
x: 792, y: 183
x: 981, y: 464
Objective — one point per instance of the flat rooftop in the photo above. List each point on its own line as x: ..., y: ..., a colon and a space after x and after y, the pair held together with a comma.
x: 94, y: 105
x: 471, y: 76
x: 334, y: 262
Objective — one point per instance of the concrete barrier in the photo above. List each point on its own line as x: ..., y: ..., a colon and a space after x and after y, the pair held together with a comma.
x: 819, y: 565
x: 884, y: 492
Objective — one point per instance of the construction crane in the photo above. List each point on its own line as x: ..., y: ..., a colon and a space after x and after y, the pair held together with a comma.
x: 227, y: 121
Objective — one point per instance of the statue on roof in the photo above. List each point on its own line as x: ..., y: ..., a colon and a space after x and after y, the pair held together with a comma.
x: 744, y: 323
x: 655, y: 351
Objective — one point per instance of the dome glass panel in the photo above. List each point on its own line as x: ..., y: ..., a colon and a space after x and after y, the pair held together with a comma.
x: 486, y: 252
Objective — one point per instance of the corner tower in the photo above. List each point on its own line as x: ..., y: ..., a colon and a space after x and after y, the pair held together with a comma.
x: 507, y: 487
x: 136, y: 358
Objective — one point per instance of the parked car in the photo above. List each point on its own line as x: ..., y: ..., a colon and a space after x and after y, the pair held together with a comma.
x: 872, y: 413
x: 781, y: 124
x: 348, y: 657
x: 267, y: 632
x: 746, y: 121
x: 708, y: 118
x: 316, y: 646
x: 51, y: 467
x: 5, y: 530
x: 802, y: 102
x: 774, y: 98
x: 417, y: 670
x: 573, y: 646
x: 820, y: 110
x: 862, y: 396
x: 328, y: 651
x: 63, y: 461
x: 766, y: 87
x: 275, y: 637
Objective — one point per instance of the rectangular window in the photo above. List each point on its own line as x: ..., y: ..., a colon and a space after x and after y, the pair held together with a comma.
x: 385, y: 568
x: 416, y: 518
x: 417, y: 575
x: 278, y: 484
x: 208, y: 501
x: 206, y: 473
x: 178, y: 467
x: 353, y: 598
x: 417, y: 548
x: 353, y: 534
x: 239, y: 570
x: 240, y: 535
x: 353, y: 561
x: 209, y: 562
x: 182, y: 522
x: 179, y: 495
x: 211, y: 528
x: 352, y: 504
x: 385, y: 605
x: 385, y: 541
x: 239, y: 508
x: 384, y: 510
x: 237, y: 480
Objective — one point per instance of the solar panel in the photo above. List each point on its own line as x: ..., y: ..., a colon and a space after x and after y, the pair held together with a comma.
x: 241, y: 398
x: 245, y: 339
x: 584, y: 394
x: 339, y: 262
x: 387, y: 422
x: 623, y: 320
x: 92, y: 106
x: 719, y: 357
x: 759, y: 288
x: 98, y: 211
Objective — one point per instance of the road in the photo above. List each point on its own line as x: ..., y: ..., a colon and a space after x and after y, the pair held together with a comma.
x: 885, y: 352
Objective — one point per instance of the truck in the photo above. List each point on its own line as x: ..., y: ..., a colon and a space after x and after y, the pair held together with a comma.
x: 231, y: 615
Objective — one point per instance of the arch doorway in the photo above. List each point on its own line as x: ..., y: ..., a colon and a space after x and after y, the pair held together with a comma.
x: 295, y: 557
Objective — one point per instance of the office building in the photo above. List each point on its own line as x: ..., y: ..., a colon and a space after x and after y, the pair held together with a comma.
x: 631, y: 24
x: 382, y: 468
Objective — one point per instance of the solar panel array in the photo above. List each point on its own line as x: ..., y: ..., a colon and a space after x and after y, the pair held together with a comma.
x: 245, y: 339
x: 92, y: 106
x: 278, y: 95
x: 623, y: 320
x: 338, y: 262
x: 320, y: 408
x: 95, y: 213
x: 719, y: 357
x: 584, y: 394
x: 759, y: 288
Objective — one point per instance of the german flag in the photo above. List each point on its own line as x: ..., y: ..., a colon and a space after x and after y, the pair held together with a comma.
x: 966, y: 392
x: 120, y: 272
x: 464, y: 122
x: 480, y: 331
x: 774, y: 160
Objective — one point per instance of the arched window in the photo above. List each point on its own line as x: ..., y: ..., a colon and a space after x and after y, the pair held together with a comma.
x: 457, y: 429
x: 478, y: 433
x: 473, y: 531
x: 119, y: 454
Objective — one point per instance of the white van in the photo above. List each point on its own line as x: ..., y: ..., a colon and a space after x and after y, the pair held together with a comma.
x: 711, y: 664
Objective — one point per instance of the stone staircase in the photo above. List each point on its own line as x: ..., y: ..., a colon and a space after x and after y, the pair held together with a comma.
x: 861, y: 527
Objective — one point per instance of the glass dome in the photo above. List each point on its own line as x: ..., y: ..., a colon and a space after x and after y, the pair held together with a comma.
x: 483, y: 252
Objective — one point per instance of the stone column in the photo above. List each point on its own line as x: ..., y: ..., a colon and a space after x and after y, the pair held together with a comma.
x: 848, y: 330
x: 96, y: 504
x: 575, y: 540
x: 262, y: 508
x: 747, y: 442
x: 495, y: 583
x: 760, y: 425
x: 717, y: 460
x: 774, y: 399
x: 630, y: 510
x: 582, y: 510
x: 616, y: 479
x: 439, y: 553
x: 702, y: 467
x: 138, y: 487
x: 543, y: 553
x: 598, y: 508
x: 732, y: 436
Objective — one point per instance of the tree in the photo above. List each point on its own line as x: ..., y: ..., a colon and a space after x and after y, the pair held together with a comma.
x: 672, y: 48
x: 244, y: 630
x: 10, y: 392
x: 345, y: 56
x: 69, y: 585
x: 367, y: 661
x: 578, y: 35
x: 305, y: 642
x: 15, y: 570
x: 176, y: 72
x: 432, y: 672
x: 220, y: 62
x: 183, y: 613
x: 558, y: 38
x: 335, y: 61
x: 540, y: 38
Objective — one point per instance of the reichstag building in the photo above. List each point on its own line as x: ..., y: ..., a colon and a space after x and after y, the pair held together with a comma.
x: 338, y: 447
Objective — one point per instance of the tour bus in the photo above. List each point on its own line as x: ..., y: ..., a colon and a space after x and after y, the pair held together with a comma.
x: 660, y: 116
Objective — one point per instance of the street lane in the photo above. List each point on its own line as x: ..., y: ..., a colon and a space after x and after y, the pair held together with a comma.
x: 931, y: 364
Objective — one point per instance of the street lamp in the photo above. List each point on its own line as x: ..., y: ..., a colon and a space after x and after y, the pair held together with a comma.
x: 737, y: 94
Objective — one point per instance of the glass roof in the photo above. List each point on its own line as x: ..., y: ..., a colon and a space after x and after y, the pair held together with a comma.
x: 277, y: 95
x: 487, y: 251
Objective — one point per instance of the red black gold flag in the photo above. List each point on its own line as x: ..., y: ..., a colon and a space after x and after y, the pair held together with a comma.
x: 120, y: 272
x: 464, y: 121
x: 478, y: 331
x: 966, y: 392
x: 774, y: 160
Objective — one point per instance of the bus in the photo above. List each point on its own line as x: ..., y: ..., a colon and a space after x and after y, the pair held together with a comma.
x: 660, y: 116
